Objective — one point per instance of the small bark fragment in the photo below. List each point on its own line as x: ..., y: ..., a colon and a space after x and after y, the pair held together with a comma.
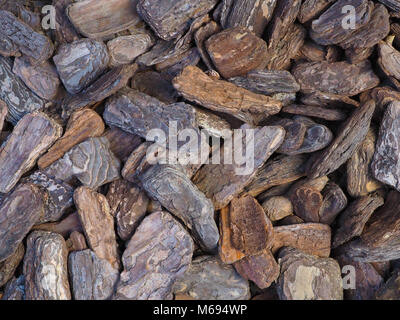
x: 316, y: 112
x: 122, y: 143
x: 278, y: 207
x: 64, y: 227
x: 334, y: 202
x: 307, y: 203
x: 8, y: 266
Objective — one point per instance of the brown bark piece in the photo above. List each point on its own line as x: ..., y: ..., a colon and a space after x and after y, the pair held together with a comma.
x: 65, y: 227
x: 76, y: 242
x: 277, y: 207
x: 83, y: 124
x: 8, y: 266
x: 102, y: 18
x: 3, y: 113
x: 311, y: 238
x: 307, y: 203
x: 31, y: 137
x: 390, y: 290
x: 201, y: 35
x: 159, y: 235
x: 128, y: 205
x: 316, y: 112
x: 45, y: 267
x: 334, y: 202
x: 122, y: 143
x: 65, y: 31
x: 132, y: 166
x: 236, y: 52
x: 312, y: 8
x: 351, y: 134
x: 98, y: 224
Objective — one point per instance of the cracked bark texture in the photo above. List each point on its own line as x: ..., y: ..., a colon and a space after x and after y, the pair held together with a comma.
x: 45, y: 267
x: 159, y: 252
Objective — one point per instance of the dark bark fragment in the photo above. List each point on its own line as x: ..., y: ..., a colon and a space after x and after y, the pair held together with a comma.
x: 8, y: 266
x: 15, y: 289
x: 315, y: 112
x: 334, y: 202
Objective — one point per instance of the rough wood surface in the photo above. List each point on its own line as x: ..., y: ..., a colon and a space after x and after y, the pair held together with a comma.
x: 31, y: 137
x: 19, y: 99
x: 76, y: 242
x: 334, y: 202
x: 65, y: 31
x: 170, y: 20
x: 91, y: 162
x: 103, y: 18
x: 80, y: 63
x: 277, y: 208
x: 133, y: 164
x: 311, y: 8
x: 174, y: 190
x: 42, y: 79
x: 209, y: 278
x: 200, y: 37
x: 390, y: 289
x: 386, y: 162
x: 351, y: 134
x: 45, y: 267
x: 122, y: 143
x: 15, y: 289
x: 8, y: 266
x: 307, y: 277
x: 211, y: 123
x: 97, y: 223
x: 17, y: 37
x: 91, y: 278
x: 83, y: 124
x: 307, y: 203
x: 3, y: 113
x: 147, y: 277
x: 311, y: 238
x: 232, y: 180
x: 65, y: 227
x: 236, y: 52
x: 128, y: 205
x: 388, y: 60
x: 316, y: 112
x: 222, y: 96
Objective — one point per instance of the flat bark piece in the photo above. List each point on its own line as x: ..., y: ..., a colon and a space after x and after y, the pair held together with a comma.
x: 174, y: 190
x: 58, y: 195
x: 290, y: 220
x: 379, y: 240
x: 212, y: 124
x: 360, y: 181
x: 294, y: 138
x: 65, y: 31
x: 390, y: 289
x: 19, y: 99
x: 315, y: 112
x: 339, y: 78
x: 170, y: 20
x: 262, y: 269
x: 279, y: 171
x: 218, y: 95
x: 125, y: 49
x: 8, y: 266
x: 267, y: 82
x: 386, y: 162
x: 17, y: 36
x: 160, y: 251
x: 122, y: 143
x: 368, y: 280
x: 334, y: 202
x: 83, y: 124
x: 355, y: 56
x: 91, y: 162
x: 307, y: 203
x: 209, y: 278
x: 312, y: 8
x: 285, y: 14
x: 329, y: 100
x: 31, y: 137
x: 76, y: 242
x: 311, y: 238
x: 200, y: 37
x: 45, y: 267
x: 328, y: 28
x: 232, y: 178
x: 392, y: 4
x: 277, y: 207
x: 80, y: 63
x: 153, y: 84
x: 3, y: 114
x: 138, y: 113
x: 65, y: 227
x: 351, y: 134
x: 389, y: 59
x: 227, y: 253
x: 371, y: 33
x: 91, y: 278
x: 15, y: 289
x: 352, y: 221
x: 236, y: 52
x: 286, y: 47
x: 253, y: 15
x: 132, y: 167
x: 307, y: 277
x: 42, y: 79
x: 98, y: 224
x: 128, y: 205
x: 104, y: 87
x: 101, y: 19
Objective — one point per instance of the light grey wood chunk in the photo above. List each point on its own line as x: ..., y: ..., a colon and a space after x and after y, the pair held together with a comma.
x: 31, y: 138
x: 91, y: 162
x: 91, y: 278
x: 307, y: 277
x: 173, y: 189
x: 159, y: 252
x: 210, y: 279
x: 17, y: 96
x: 80, y: 63
x: 45, y: 267
x: 212, y: 124
x: 15, y: 289
x: 386, y: 162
